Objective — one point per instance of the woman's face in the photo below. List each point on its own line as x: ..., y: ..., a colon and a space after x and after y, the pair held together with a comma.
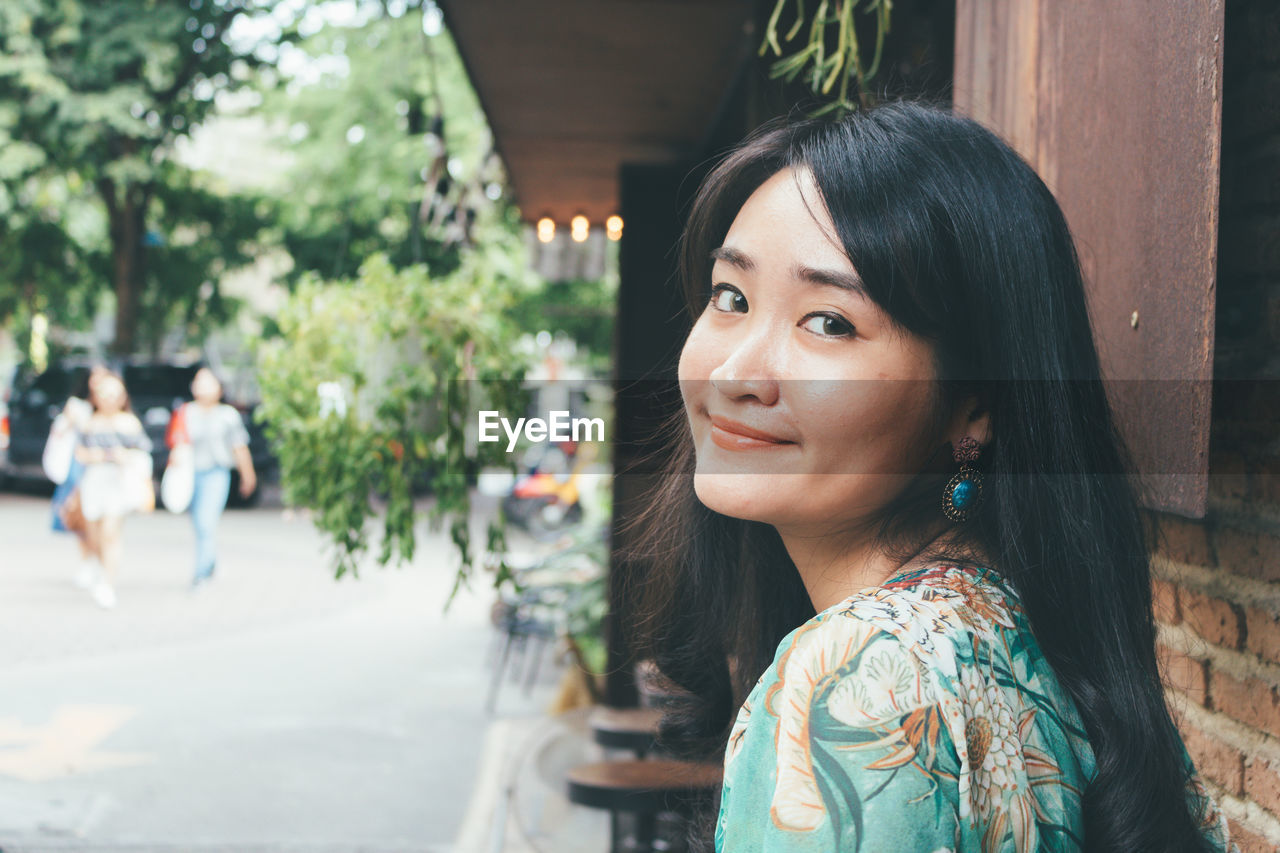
x: 109, y: 394
x: 205, y: 387
x: 795, y: 379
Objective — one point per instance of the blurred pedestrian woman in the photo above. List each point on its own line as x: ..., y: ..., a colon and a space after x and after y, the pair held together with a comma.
x: 116, y: 454
x: 897, y: 568
x: 62, y: 466
x: 214, y: 436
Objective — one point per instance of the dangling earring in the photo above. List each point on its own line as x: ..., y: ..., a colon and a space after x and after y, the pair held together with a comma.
x: 964, y: 490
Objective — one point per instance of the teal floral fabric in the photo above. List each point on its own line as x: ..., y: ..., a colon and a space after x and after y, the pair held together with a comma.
x: 917, y: 716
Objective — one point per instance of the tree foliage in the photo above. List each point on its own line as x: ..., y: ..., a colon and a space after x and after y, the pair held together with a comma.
x: 409, y: 290
x: 373, y: 382
x: 392, y: 152
x: 371, y: 393
x: 97, y: 94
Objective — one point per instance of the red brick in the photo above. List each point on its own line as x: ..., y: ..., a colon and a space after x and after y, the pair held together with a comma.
x: 1227, y: 477
x: 1185, y: 541
x: 1248, y: 840
x: 1251, y: 553
x: 1262, y: 634
x: 1265, y: 477
x: 1184, y: 673
x: 1262, y: 783
x: 1216, y: 760
x: 1250, y: 701
x: 1164, y: 597
x: 1218, y: 621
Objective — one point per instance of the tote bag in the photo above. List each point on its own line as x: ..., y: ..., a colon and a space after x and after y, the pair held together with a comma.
x: 140, y: 492
x: 58, y: 450
x: 179, y: 481
x: 60, y: 447
x: 178, y: 484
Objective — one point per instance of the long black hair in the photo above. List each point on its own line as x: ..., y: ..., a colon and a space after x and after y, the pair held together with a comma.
x: 962, y: 244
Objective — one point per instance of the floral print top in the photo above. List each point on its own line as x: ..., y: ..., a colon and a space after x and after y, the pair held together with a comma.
x: 917, y: 716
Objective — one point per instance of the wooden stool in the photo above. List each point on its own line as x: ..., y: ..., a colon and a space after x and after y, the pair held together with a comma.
x: 641, y: 788
x: 635, y: 729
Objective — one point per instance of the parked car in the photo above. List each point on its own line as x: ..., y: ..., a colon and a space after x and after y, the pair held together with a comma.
x: 156, y: 390
x: 34, y: 401
x: 4, y: 424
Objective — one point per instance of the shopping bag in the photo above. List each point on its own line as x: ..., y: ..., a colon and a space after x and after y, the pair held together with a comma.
x: 59, y: 449
x: 179, y: 481
x: 140, y: 494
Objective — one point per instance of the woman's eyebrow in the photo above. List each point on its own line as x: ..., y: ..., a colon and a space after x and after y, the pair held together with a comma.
x: 824, y: 277
x: 733, y: 257
x: 831, y: 278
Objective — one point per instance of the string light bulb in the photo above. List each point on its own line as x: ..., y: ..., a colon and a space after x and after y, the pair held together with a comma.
x: 613, y: 228
x: 578, y: 228
x: 546, y: 229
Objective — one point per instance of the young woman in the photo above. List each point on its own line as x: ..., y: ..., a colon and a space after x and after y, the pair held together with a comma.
x: 217, y: 441
x: 116, y: 454
x: 65, y: 433
x: 899, y: 573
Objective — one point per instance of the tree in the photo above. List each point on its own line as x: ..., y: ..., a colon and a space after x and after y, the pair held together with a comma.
x: 392, y: 152
x: 45, y: 269
x: 372, y: 388
x: 98, y: 94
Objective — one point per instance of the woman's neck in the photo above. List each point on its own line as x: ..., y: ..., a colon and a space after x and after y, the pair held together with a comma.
x: 834, y: 566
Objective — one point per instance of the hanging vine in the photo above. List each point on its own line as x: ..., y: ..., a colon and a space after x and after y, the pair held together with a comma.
x: 830, y: 53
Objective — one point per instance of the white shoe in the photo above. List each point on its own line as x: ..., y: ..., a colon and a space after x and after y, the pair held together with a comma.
x: 104, y: 594
x: 87, y: 575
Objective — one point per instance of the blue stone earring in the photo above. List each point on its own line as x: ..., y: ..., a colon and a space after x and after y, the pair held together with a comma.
x: 964, y: 490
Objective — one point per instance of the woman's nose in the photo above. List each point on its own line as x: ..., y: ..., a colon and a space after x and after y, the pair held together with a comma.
x: 749, y: 370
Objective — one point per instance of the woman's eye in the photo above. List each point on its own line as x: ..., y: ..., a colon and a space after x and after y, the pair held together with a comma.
x: 828, y: 325
x: 726, y: 297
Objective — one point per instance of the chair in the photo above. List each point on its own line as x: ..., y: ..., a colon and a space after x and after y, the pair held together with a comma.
x: 641, y: 790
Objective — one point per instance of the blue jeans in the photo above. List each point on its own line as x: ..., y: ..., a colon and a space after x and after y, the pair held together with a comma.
x: 207, y: 502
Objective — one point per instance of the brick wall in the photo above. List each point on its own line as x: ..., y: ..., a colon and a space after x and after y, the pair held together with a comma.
x: 1217, y: 585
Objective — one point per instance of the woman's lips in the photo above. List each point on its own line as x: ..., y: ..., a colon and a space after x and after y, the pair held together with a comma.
x: 732, y: 435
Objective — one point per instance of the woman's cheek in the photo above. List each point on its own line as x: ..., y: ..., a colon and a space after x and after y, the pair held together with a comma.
x: 697, y: 358
x: 692, y: 374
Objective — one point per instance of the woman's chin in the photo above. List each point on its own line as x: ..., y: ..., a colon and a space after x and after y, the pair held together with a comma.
x: 750, y: 498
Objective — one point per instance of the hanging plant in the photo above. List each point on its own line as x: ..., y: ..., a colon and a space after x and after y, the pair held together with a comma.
x: 370, y: 396
x: 830, y: 53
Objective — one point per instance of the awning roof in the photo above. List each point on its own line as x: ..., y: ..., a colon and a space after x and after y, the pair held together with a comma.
x: 575, y: 88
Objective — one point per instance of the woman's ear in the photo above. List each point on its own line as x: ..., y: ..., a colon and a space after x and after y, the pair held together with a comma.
x: 971, y: 419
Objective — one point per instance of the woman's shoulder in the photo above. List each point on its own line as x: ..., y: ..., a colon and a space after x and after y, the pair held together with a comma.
x: 929, y: 612
x: 912, y: 642
x: 230, y: 413
x: 936, y: 669
x: 950, y: 638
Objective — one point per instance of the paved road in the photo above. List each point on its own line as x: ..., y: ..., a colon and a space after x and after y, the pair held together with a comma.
x: 276, y: 709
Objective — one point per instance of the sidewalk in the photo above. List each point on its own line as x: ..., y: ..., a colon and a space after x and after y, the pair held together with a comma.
x: 519, y: 804
x: 277, y: 711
